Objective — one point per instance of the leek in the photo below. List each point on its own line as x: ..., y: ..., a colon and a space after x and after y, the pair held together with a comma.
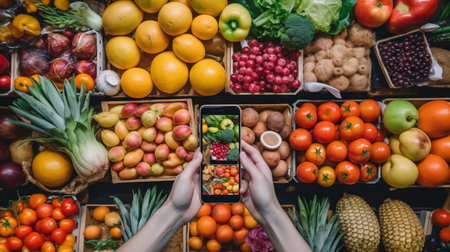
x: 65, y: 120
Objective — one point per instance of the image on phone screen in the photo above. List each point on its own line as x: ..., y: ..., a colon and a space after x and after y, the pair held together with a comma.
x: 220, y: 148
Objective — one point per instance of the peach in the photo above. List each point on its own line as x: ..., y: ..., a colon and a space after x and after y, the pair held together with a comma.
x: 141, y: 109
x: 190, y: 156
x: 156, y: 169
x: 149, y: 158
x: 170, y: 141
x: 109, y: 138
x: 148, y: 147
x: 172, y: 107
x: 133, y: 157
x: 128, y: 173
x: 128, y: 110
x: 143, y: 169
x: 116, y: 154
x: 118, y: 166
x: 148, y: 118
x: 162, y: 152
x: 173, y: 171
x: 149, y: 134
x: 158, y: 108
x: 159, y: 137
x: 121, y: 129
x: 173, y: 160
x: 181, y: 152
x: 132, y: 141
x: 164, y: 124
x: 190, y: 143
x: 133, y: 123
x: 181, y: 116
x: 181, y: 132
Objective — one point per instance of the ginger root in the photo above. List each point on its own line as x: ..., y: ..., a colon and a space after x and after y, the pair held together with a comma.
x: 309, y: 67
x: 359, y: 82
x: 321, y: 43
x: 309, y: 77
x: 364, y: 66
x: 360, y: 35
x: 341, y: 83
x: 337, y: 53
x: 338, y: 41
x: 324, y: 70
x: 320, y: 55
x: 338, y: 71
x: 310, y: 58
x: 350, y: 67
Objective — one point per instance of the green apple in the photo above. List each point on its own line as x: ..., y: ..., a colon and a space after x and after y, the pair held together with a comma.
x: 399, y: 171
x: 400, y: 115
x: 414, y: 144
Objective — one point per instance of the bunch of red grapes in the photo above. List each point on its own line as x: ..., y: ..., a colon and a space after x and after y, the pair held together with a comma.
x: 219, y: 150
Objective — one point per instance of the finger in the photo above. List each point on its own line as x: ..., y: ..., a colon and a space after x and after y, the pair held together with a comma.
x: 250, y: 167
x: 253, y: 152
x: 194, y: 164
x: 244, y: 187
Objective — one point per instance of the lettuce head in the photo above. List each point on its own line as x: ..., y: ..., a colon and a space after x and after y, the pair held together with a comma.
x: 321, y: 12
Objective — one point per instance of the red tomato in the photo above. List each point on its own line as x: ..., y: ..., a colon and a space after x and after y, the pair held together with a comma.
x: 14, y: 243
x: 309, y: 105
x: 380, y: 152
x: 316, y: 153
x: 27, y: 217
x: 329, y: 111
x: 48, y: 247
x: 5, y: 83
x: 351, y: 128
x: 306, y: 116
x: 59, y: 236
x: 44, y: 210
x: 307, y: 172
x: 37, y: 226
x: 380, y: 136
x: 336, y: 151
x: 368, y: 172
x: 373, y: 13
x: 370, y: 132
x: 47, y: 225
x: 370, y: 110
x: 3, y: 247
x: 445, y: 234
x: 7, y: 213
x: 34, y: 240
x: 23, y: 230
x: 56, y: 202
x: 57, y: 214
x: 37, y: 199
x: 440, y: 217
x: 68, y: 225
x: 359, y: 151
x: 433, y: 171
x: 69, y: 207
x: 347, y: 173
x: 324, y: 132
x: 300, y: 139
x: 350, y: 108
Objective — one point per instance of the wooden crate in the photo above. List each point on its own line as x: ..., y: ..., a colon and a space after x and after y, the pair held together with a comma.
x: 228, y: 62
x: 87, y: 219
x: 107, y: 105
x: 12, y: 64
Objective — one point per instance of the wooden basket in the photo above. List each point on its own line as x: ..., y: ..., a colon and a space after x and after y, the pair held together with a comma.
x: 107, y: 105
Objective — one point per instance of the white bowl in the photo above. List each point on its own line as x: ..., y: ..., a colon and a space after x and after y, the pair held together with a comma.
x: 268, y: 146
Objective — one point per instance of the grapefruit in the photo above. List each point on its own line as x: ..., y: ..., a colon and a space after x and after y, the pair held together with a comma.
x: 136, y: 82
x: 121, y: 17
x: 208, y: 77
x: 51, y: 168
x: 122, y: 52
x: 150, y: 6
x: 150, y: 38
x: 175, y: 18
x: 188, y: 48
x: 213, y: 8
x: 168, y: 72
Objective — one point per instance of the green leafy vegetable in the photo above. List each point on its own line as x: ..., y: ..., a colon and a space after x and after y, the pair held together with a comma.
x: 299, y: 32
x: 226, y: 136
x: 103, y: 245
x: 321, y: 12
x: 346, y: 16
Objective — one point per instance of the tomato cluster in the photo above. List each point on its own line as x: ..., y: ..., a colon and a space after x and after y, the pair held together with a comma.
x: 441, y: 218
x: 225, y: 179
x: 343, y: 137
x: 38, y: 223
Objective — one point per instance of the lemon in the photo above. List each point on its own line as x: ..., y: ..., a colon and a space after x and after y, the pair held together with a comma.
x: 208, y: 77
x: 175, y: 18
x: 136, y: 82
x: 150, y: 6
x: 168, y: 72
x: 150, y: 38
x: 204, y: 27
x: 188, y: 48
x: 122, y: 52
x: 213, y: 8
x: 121, y: 18
x: 51, y: 168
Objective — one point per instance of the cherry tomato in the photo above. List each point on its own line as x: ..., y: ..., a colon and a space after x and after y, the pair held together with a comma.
x: 329, y: 111
x: 307, y: 172
x: 5, y: 82
x: 57, y: 214
x: 7, y: 226
x: 309, y: 105
x: 23, y: 230
x: 34, y: 240
x: 65, y: 248
x: 300, y: 139
x: 350, y: 108
x: 59, y: 236
x: 69, y: 207
x: 370, y: 132
x: 370, y: 110
x: 18, y: 206
x: 380, y: 136
x: 48, y: 247
x: 47, y: 225
x: 37, y: 226
x: 37, y: 199
x: 89, y: 83
x: 347, y: 173
x: 68, y: 225
x: 306, y: 116
x: 44, y: 210
x: 440, y: 217
x: 445, y: 234
x: 368, y: 172
x: 3, y: 247
x: 326, y: 177
x: 324, y: 132
x: 7, y: 213
x: 3, y: 240
x: 316, y: 153
x: 336, y: 151
x: 14, y: 243
x: 359, y: 151
x: 351, y: 128
x: 380, y: 152
x: 70, y: 240
x: 56, y: 202
x: 27, y: 217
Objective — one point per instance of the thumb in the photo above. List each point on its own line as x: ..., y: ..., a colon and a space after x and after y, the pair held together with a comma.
x: 194, y: 164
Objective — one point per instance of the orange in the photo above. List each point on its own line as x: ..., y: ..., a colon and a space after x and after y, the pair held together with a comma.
x: 250, y: 222
x: 136, y: 82
x: 224, y: 234
x: 122, y: 51
x: 239, y: 235
x: 236, y: 222
x: 221, y: 213
x: 208, y: 77
x: 195, y: 243
x: 91, y: 232
x: 204, y: 27
x: 21, y: 83
x: 116, y: 233
x: 51, y: 168
x: 112, y: 219
x: 237, y: 209
x: 206, y: 226
x: 87, y: 79
x: 175, y: 18
x: 193, y: 229
x: 246, y: 248
x: 205, y: 210
x: 246, y: 212
x: 100, y: 212
x: 150, y: 38
x: 213, y: 245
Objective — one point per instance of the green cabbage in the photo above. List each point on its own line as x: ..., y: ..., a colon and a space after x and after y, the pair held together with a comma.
x: 321, y: 12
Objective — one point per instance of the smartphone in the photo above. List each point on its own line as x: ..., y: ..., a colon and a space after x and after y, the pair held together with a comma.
x: 220, y: 133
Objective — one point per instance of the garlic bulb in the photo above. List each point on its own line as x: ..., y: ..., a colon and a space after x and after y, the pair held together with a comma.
x: 108, y: 82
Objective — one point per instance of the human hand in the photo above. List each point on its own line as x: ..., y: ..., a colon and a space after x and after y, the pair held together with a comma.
x: 185, y: 194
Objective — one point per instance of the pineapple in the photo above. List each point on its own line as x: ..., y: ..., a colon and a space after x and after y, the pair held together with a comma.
x: 401, y: 229
x: 311, y: 220
x: 359, y: 224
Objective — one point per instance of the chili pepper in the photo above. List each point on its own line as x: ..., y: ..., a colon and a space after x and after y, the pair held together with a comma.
x: 25, y: 23
x: 235, y: 22
x: 410, y: 13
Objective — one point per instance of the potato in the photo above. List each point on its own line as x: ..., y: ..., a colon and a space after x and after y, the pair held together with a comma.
x: 287, y: 117
x: 284, y: 150
x: 285, y: 131
x: 264, y: 114
x: 259, y: 128
x: 280, y: 170
x: 259, y: 146
x: 247, y: 135
x: 275, y: 121
x: 272, y: 158
x: 250, y: 117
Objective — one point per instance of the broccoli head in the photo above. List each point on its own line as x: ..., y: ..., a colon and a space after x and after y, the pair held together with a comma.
x: 226, y: 135
x: 299, y: 32
x: 233, y: 155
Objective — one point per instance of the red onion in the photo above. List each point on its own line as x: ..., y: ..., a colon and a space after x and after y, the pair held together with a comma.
x: 4, y: 65
x: 60, y: 70
x: 84, y: 46
x: 11, y: 175
x: 4, y: 151
x: 57, y: 44
x: 9, y: 130
x: 87, y: 67
x: 34, y: 61
x: 69, y: 33
x: 69, y: 57
x: 41, y: 43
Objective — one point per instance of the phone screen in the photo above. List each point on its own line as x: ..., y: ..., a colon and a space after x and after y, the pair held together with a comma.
x: 221, y: 129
